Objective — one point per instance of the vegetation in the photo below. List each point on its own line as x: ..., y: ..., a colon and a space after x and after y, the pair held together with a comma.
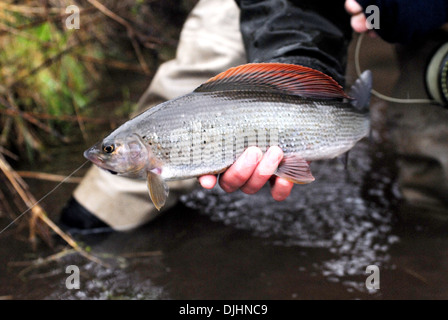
x: 51, y: 75
x: 53, y: 79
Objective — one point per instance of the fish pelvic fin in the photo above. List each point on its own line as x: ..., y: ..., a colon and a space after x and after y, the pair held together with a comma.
x: 276, y: 78
x: 295, y: 169
x: 360, y: 92
x: 158, y: 189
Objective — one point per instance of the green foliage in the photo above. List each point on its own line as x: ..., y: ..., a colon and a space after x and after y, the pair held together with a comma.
x: 51, y: 77
x: 41, y: 73
x: 23, y: 63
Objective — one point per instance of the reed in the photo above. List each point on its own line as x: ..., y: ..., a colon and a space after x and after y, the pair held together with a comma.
x: 52, y: 79
x: 48, y: 69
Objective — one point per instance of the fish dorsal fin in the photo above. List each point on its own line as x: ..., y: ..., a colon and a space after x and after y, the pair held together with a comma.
x: 275, y: 77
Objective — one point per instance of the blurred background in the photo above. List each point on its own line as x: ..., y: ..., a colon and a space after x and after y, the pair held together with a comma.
x: 62, y: 89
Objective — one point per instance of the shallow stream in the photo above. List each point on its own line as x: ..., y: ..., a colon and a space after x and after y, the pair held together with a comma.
x: 315, y: 245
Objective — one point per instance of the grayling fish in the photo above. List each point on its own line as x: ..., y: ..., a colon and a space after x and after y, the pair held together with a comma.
x: 303, y: 111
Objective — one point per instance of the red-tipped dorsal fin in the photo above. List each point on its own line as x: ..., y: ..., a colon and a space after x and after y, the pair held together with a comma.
x: 275, y: 77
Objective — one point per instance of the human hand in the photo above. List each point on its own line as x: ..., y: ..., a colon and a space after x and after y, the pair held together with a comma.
x: 250, y: 172
x: 358, y: 20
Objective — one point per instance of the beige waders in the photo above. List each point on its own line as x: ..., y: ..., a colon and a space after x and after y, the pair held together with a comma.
x: 210, y: 42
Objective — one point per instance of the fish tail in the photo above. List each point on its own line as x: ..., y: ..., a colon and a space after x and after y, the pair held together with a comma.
x: 360, y: 91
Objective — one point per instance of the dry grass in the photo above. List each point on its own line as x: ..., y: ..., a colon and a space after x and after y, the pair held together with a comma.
x: 51, y: 76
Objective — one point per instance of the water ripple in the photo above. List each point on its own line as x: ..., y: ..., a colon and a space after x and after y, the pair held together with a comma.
x: 348, y: 212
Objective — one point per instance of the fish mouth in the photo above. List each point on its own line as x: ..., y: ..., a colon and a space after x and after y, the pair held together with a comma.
x: 93, y: 154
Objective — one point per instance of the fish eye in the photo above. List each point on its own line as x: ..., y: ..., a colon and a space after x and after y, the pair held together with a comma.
x: 109, y: 148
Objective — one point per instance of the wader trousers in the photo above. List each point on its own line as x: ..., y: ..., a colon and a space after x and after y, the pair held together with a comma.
x: 210, y: 42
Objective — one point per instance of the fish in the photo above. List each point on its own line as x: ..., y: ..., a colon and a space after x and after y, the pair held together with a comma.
x: 299, y: 109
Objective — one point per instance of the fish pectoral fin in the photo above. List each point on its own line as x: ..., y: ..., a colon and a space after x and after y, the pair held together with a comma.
x: 158, y: 189
x: 295, y: 169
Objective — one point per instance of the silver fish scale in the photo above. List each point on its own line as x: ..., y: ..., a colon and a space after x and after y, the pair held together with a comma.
x: 205, y: 132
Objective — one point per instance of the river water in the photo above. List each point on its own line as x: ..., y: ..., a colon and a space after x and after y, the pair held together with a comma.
x: 315, y: 245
